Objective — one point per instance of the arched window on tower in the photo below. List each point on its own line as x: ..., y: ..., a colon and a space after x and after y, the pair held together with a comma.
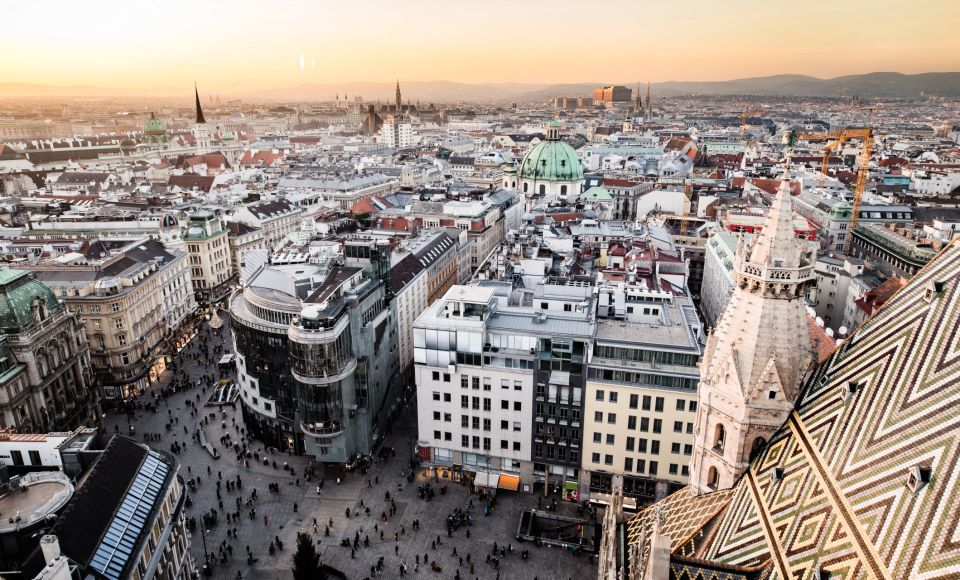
x: 713, y: 478
x: 758, y: 444
x: 719, y: 438
x: 543, y: 189
x: 563, y: 190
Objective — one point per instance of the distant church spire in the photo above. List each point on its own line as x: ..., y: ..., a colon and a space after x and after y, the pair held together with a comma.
x: 399, y: 104
x: 196, y: 92
x: 649, y: 110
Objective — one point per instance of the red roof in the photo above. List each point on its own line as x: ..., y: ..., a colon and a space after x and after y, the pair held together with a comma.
x: 879, y: 296
x: 819, y: 339
x: 262, y: 158
x: 192, y: 180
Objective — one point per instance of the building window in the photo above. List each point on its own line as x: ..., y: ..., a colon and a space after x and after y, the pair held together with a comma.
x: 646, y: 402
x: 613, y: 396
x: 610, y: 438
x: 655, y: 447
x: 446, y: 397
x: 436, y: 415
x: 657, y: 425
x: 680, y: 404
x: 659, y: 405
x: 634, y: 399
x: 436, y: 395
x: 600, y: 395
x: 516, y: 446
x: 673, y: 469
x: 516, y: 406
x: 674, y: 448
x: 631, y: 422
x: 595, y: 458
x: 612, y: 418
x: 678, y: 426
x: 642, y: 445
x: 596, y: 437
x: 630, y: 443
x: 653, y: 468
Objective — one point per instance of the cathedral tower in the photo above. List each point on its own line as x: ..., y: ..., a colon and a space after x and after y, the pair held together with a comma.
x: 399, y: 103
x: 756, y: 358
x: 201, y: 134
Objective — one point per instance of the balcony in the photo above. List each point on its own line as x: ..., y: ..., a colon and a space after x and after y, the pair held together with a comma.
x: 321, y: 431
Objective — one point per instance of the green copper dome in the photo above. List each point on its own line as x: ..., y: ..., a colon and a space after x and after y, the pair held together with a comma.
x: 153, y: 126
x: 552, y: 159
x: 18, y: 291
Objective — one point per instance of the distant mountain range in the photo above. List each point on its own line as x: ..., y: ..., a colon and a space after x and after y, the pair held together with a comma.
x: 871, y: 85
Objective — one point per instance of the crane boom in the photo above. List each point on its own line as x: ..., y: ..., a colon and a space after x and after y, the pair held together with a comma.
x: 863, y: 166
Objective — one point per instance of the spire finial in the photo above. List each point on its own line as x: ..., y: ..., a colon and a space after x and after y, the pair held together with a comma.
x: 196, y: 92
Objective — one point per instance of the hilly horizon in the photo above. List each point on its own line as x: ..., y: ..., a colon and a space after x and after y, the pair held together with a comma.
x: 869, y: 85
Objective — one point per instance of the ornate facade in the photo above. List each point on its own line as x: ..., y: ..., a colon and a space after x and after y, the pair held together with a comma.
x: 45, y: 379
x: 753, y: 363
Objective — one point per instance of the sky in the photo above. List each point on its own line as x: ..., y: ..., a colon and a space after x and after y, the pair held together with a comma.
x: 241, y: 45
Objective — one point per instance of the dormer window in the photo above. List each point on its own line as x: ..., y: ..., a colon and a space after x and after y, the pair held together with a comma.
x: 932, y: 289
x: 918, y: 477
x: 850, y: 389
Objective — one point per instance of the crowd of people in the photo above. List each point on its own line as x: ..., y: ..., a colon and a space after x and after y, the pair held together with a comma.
x: 227, y: 507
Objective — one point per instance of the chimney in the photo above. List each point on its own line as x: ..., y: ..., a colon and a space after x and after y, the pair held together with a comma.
x: 50, y: 546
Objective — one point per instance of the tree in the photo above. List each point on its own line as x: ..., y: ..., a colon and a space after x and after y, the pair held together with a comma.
x: 306, y: 562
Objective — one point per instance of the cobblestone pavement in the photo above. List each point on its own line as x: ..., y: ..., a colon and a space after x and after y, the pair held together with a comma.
x: 295, y: 507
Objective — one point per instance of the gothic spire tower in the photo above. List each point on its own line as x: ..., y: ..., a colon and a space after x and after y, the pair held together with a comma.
x: 399, y: 102
x: 648, y: 112
x: 196, y: 92
x: 201, y: 134
x: 756, y: 358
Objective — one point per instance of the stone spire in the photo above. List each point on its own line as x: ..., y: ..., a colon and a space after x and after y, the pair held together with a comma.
x: 649, y: 111
x: 196, y: 93
x: 399, y: 102
x: 756, y: 358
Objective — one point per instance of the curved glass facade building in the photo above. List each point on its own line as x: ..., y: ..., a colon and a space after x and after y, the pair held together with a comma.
x: 317, y: 358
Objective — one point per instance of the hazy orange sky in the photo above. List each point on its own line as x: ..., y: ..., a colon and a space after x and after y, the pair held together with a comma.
x: 241, y: 45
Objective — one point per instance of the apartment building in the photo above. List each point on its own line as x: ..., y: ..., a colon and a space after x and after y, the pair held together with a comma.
x: 418, y: 280
x: 208, y: 248
x: 501, y: 385
x: 641, y: 395
x: 135, y: 304
x: 126, y: 521
x: 242, y: 238
x: 276, y: 218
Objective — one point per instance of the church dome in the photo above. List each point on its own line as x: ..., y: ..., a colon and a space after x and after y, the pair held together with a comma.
x: 552, y: 159
x: 153, y: 125
x: 169, y: 221
x: 19, y: 291
x: 128, y: 144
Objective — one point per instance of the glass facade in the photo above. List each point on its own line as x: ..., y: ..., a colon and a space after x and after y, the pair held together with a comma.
x: 321, y: 407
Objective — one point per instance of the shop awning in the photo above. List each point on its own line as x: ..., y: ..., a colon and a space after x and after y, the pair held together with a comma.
x: 509, y: 482
x: 484, y: 479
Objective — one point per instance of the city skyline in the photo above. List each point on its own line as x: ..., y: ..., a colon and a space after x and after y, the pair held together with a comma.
x: 240, y: 50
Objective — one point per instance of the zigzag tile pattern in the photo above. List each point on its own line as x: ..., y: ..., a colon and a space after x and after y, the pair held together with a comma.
x: 832, y: 482
x: 830, y: 490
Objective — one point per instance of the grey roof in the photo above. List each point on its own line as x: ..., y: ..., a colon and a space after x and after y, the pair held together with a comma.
x: 550, y: 326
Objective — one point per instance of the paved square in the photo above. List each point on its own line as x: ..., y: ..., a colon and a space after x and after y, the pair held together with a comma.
x: 294, y: 507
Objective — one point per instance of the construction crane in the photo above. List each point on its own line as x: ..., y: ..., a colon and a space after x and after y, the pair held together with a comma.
x: 863, y: 166
x: 745, y: 116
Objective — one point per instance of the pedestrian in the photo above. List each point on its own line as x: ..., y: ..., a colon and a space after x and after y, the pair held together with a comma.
x: 265, y: 521
x: 396, y: 549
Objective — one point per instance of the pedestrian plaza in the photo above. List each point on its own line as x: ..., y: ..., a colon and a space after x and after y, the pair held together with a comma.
x: 296, y: 504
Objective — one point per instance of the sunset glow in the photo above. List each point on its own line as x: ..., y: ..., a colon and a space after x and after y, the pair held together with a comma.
x: 238, y: 46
